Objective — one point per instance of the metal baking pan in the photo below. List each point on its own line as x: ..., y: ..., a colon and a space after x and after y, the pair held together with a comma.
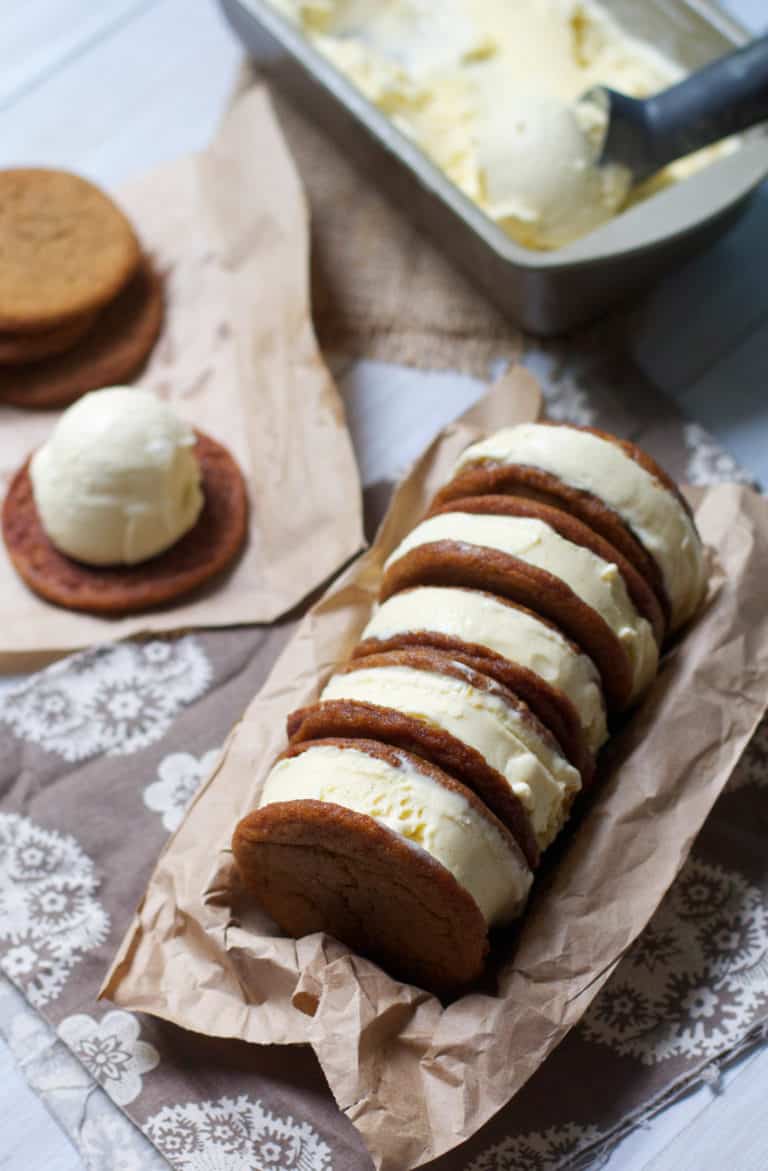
x: 545, y: 292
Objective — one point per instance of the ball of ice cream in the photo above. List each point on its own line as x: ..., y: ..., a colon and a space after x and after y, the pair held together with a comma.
x: 118, y: 481
x: 540, y: 180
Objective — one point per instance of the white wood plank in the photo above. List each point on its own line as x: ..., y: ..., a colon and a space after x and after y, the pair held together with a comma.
x: 752, y: 13
x: 30, y: 1139
x: 153, y: 92
x: 649, y: 1141
x: 731, y: 1133
x: 39, y: 36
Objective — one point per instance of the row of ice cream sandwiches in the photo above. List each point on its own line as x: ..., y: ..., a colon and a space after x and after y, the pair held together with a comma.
x: 411, y: 808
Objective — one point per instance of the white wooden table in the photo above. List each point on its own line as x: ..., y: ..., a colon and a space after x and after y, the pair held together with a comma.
x: 110, y: 89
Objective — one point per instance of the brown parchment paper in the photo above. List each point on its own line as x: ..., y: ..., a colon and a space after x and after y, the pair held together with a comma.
x: 238, y: 358
x: 414, y: 1076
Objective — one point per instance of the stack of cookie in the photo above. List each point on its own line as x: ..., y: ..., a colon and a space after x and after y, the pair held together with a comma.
x: 412, y: 806
x: 80, y: 305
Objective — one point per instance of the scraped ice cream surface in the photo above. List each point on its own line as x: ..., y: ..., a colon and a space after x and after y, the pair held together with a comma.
x: 490, y: 89
x: 540, y: 181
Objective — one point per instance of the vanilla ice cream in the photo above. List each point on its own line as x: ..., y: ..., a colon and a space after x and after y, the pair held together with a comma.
x: 648, y: 508
x: 537, y: 156
x: 519, y: 636
x: 595, y: 581
x: 488, y: 89
x: 417, y: 807
x: 536, y: 772
x: 118, y: 481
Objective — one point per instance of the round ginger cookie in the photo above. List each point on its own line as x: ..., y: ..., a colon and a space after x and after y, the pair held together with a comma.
x: 319, y: 865
x: 202, y: 553
x: 65, y: 248
x: 16, y: 349
x: 111, y: 352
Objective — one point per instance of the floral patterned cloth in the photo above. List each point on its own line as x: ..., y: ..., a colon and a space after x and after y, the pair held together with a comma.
x: 99, y: 756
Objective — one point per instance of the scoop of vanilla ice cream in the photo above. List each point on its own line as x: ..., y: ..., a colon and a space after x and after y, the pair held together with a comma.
x: 118, y: 481
x: 457, y: 76
x: 538, y: 171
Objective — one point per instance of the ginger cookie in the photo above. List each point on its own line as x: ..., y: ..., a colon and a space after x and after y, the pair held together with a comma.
x: 485, y: 733
x: 66, y: 249
x: 18, y: 348
x: 548, y: 561
x: 197, y: 557
x: 112, y: 352
x: 509, y: 643
x: 608, y: 483
x: 331, y: 848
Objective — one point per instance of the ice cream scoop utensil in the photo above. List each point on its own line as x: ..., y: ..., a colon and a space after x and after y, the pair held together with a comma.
x: 725, y: 97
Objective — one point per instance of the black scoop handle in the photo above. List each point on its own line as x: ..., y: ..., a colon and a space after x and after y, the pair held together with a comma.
x: 723, y: 98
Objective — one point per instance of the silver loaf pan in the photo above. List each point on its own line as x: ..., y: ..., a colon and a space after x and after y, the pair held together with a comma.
x: 545, y: 292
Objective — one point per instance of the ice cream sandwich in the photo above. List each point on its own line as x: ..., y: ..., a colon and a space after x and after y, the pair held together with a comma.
x: 510, y: 643
x: 462, y: 720
x: 547, y: 560
x: 386, y: 852
x: 608, y: 483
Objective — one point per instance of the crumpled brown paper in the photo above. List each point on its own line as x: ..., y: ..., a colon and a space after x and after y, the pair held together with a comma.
x: 414, y: 1076
x: 239, y: 359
